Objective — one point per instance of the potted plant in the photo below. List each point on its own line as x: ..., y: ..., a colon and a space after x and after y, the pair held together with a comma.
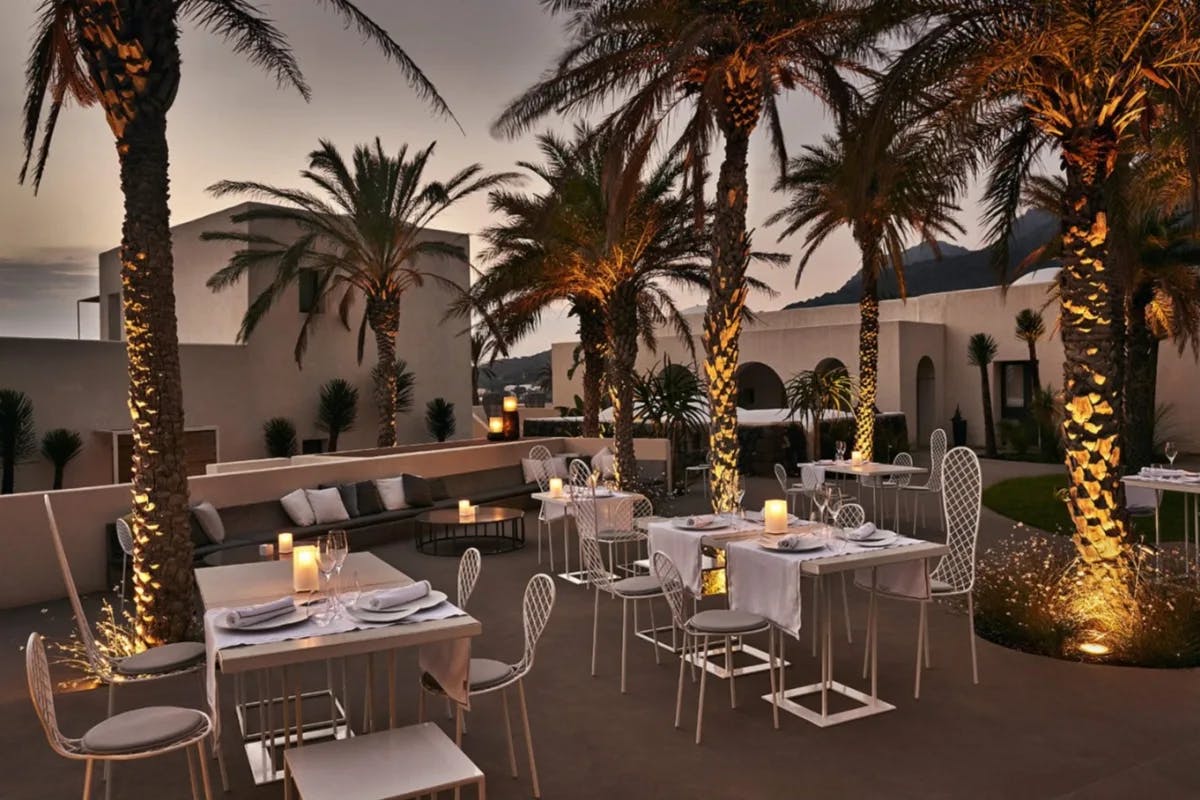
x: 958, y: 427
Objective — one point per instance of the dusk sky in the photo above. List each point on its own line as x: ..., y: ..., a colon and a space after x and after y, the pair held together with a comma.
x: 230, y: 121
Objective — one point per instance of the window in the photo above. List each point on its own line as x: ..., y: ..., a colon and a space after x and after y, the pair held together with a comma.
x: 114, y: 317
x: 307, y: 283
x: 1016, y: 382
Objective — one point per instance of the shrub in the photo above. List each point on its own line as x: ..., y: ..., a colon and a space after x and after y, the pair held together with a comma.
x: 439, y: 418
x: 337, y: 409
x: 279, y: 434
x: 60, y: 446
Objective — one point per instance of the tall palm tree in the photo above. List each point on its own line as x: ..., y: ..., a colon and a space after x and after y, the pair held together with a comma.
x: 364, y: 237
x: 485, y: 349
x: 816, y: 392
x: 1082, y: 76
x: 337, y: 409
x: 123, y: 55
x: 888, y: 174
x: 981, y: 352
x: 1030, y: 327
x: 722, y: 66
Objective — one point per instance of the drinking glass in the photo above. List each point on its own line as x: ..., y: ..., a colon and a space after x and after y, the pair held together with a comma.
x: 327, y: 560
x: 1171, y: 452
x: 741, y: 495
x: 821, y: 498
x: 840, y: 448
x: 341, y: 549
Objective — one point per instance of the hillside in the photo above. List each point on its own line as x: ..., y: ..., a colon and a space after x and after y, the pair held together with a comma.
x: 958, y: 268
x: 509, y: 371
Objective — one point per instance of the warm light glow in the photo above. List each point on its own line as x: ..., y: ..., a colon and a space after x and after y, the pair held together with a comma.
x: 285, y: 544
x: 775, y: 516
x: 556, y: 487
x: 856, y: 457
x: 305, y: 576
x: 266, y: 550
x: 510, y: 403
x: 466, y: 511
x: 495, y: 425
x: 1095, y: 649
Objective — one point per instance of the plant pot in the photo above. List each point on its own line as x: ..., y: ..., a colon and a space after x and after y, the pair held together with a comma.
x: 959, y: 431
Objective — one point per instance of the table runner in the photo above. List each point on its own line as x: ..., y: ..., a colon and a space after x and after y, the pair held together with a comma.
x: 683, y: 547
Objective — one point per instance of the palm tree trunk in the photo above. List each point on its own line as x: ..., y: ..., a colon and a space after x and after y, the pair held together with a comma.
x: 1140, y: 385
x: 723, y: 318
x: 383, y: 315
x: 58, y: 477
x: 868, y: 359
x: 1033, y: 366
x: 989, y: 424
x: 1092, y: 379
x: 8, y: 471
x: 591, y: 339
x: 623, y: 333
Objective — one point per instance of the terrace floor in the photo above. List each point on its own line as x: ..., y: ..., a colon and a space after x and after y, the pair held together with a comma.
x: 1033, y: 727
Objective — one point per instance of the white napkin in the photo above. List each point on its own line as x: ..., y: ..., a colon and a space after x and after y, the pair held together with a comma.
x: 864, y: 531
x: 251, y: 615
x: 385, y: 599
x: 700, y: 521
x: 793, y: 541
x: 1164, y: 472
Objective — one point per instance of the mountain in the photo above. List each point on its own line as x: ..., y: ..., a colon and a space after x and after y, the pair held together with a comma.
x: 510, y: 371
x: 958, y: 268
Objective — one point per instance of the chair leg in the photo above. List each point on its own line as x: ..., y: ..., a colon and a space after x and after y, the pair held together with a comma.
x: 703, y: 679
x: 846, y: 611
x: 595, y: 625
x: 112, y: 705
x: 216, y: 748
x: 679, y: 688
x: 653, y: 629
x: 816, y: 600
x: 971, y: 633
x: 920, y: 648
x: 928, y: 663
x: 420, y: 704
x: 771, y: 670
x: 87, y: 779
x: 458, y: 725
x: 870, y: 622
x: 625, y: 634
x: 729, y: 669
x: 512, y: 754
x: 191, y: 762
x: 203, y: 771
x: 537, y: 791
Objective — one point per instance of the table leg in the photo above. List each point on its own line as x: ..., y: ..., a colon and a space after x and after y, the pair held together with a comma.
x: 391, y: 679
x: 873, y: 638
x: 823, y: 613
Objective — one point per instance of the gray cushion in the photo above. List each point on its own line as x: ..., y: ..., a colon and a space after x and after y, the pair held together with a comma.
x: 487, y: 672
x: 368, y: 499
x: 720, y: 620
x: 638, y: 585
x: 438, y: 490
x: 143, y: 729
x: 417, y: 491
x: 349, y: 494
x: 164, y: 658
x: 210, y: 521
x: 940, y: 586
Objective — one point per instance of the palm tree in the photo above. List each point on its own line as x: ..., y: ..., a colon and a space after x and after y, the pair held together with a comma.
x: 726, y: 63
x: 364, y: 237
x: 279, y: 435
x: 123, y: 55
x: 439, y: 419
x: 60, y: 447
x: 485, y: 349
x: 337, y: 409
x: 816, y: 392
x: 887, y: 174
x: 17, y: 435
x: 1083, y: 76
x: 981, y: 351
x: 672, y: 401
x: 1030, y: 328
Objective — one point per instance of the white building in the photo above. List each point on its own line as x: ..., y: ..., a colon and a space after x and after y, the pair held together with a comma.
x: 230, y: 389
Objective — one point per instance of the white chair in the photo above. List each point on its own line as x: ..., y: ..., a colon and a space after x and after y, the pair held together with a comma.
x: 125, y: 540
x: 155, y: 663
x: 1143, y: 502
x: 880, y: 486
x: 937, y: 452
x: 129, y: 736
x: 635, y: 588
x: 810, y: 479
x: 579, y: 473
x: 546, y: 516
x: 698, y: 628
x: 622, y: 531
x: 469, y: 567
x: 789, y: 491
x: 488, y: 675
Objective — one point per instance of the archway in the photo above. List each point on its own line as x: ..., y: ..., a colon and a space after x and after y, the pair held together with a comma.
x: 926, y: 399
x: 831, y: 364
x: 759, y: 386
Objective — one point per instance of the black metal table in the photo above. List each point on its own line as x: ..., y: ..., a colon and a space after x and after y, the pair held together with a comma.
x: 441, y: 532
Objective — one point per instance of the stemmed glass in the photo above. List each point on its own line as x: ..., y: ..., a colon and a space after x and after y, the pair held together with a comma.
x: 821, y: 496
x: 840, y: 448
x: 1171, y: 451
x: 327, y: 563
x: 341, y: 549
x: 741, y: 495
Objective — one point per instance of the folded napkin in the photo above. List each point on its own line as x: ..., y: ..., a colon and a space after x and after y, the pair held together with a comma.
x: 250, y: 615
x: 864, y: 531
x: 1165, y: 472
x: 387, y: 599
x: 793, y: 541
x: 700, y: 520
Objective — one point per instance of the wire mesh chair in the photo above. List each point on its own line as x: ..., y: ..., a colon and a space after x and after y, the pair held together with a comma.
x: 851, y: 515
x: 789, y: 491
x: 579, y: 473
x: 810, y: 479
x: 619, y: 530
x: 698, y: 628
x: 541, y: 454
x: 488, y: 675
x: 141, y: 733
x: 125, y: 540
x: 469, y: 567
x: 937, y: 452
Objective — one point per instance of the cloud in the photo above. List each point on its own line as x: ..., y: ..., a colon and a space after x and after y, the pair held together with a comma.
x: 38, y: 291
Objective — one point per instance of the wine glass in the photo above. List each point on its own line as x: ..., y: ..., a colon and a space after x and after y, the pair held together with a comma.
x: 821, y: 498
x: 1171, y: 451
x: 341, y: 549
x: 327, y: 563
x: 840, y: 448
x: 741, y: 495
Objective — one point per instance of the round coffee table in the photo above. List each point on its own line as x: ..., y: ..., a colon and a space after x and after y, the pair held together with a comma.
x: 440, y: 532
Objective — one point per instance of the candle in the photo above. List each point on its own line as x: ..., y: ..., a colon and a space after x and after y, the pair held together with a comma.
x: 495, y: 425
x: 266, y: 550
x: 285, y: 544
x: 556, y: 487
x: 510, y: 403
x: 775, y: 516
x: 856, y: 457
x: 466, y: 511
x: 305, y: 576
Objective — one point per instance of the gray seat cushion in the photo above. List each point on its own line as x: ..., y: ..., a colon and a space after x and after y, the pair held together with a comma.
x: 164, y: 658
x: 143, y: 729
x: 937, y: 586
x: 487, y: 672
x: 638, y: 585
x: 720, y: 620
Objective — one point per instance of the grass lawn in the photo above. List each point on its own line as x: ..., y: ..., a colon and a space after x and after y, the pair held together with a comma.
x: 1035, y: 501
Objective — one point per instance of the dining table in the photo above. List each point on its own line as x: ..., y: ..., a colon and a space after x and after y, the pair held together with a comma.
x: 1166, y: 479
x: 267, y: 663
x: 608, y: 518
x: 880, y: 471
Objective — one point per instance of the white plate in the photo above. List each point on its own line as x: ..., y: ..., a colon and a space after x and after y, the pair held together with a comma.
x: 294, y: 617
x: 715, y: 525
x: 876, y: 541
x: 807, y: 546
x: 399, y: 612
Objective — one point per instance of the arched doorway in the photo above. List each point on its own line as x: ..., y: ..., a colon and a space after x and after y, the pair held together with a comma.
x: 926, y: 399
x: 759, y: 386
x: 831, y: 364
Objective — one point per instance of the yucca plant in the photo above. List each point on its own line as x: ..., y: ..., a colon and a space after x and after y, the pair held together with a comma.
x: 60, y: 446
x: 279, y: 434
x: 816, y: 392
x: 17, y: 437
x: 439, y: 418
x: 337, y: 409
x: 981, y: 352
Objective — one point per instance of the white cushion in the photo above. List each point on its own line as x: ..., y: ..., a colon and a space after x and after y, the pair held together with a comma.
x: 604, y: 463
x: 327, y: 505
x: 298, y: 508
x: 210, y: 521
x: 531, y: 469
x: 559, y: 468
x: 391, y: 492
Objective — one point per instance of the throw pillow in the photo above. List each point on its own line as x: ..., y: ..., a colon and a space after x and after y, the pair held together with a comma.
x: 437, y: 489
x: 391, y: 492
x: 417, y: 491
x: 349, y: 493
x: 298, y: 508
x: 327, y: 505
x: 532, y: 469
x: 559, y: 468
x: 604, y: 463
x: 369, y: 503
x: 210, y: 521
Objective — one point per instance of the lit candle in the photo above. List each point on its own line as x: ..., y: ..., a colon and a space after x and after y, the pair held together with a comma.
x: 285, y: 544
x: 556, y: 487
x: 466, y: 511
x: 856, y: 457
x: 266, y: 550
x: 775, y: 516
x: 510, y: 403
x: 305, y: 576
x: 495, y: 425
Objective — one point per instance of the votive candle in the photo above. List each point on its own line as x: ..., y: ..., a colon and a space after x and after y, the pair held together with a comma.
x: 856, y: 457
x: 775, y: 516
x: 495, y: 425
x: 466, y: 511
x: 510, y: 403
x: 305, y: 575
x: 285, y: 544
x: 556, y: 487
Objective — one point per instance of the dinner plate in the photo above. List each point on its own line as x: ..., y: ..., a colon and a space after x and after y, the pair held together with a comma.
x: 294, y: 617
x: 877, y: 541
x: 807, y: 545
x: 399, y: 612
x: 715, y: 525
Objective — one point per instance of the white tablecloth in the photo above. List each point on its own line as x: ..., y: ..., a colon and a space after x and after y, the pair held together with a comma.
x: 607, y: 516
x: 683, y: 547
x: 767, y: 582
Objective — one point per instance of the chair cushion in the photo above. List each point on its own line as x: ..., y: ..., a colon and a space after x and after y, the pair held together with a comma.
x: 164, y: 658
x: 417, y: 491
x: 298, y: 509
x: 368, y: 499
x: 210, y: 522
x: 936, y: 586
x: 391, y: 492
x: 485, y: 672
x: 721, y: 620
x: 437, y: 489
x: 638, y: 585
x: 327, y: 505
x: 143, y: 729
